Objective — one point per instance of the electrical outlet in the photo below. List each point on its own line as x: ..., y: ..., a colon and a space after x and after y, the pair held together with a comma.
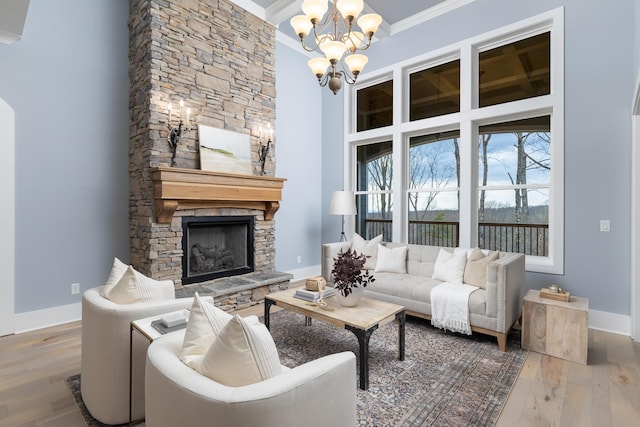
x: 75, y: 288
x: 299, y: 259
x: 605, y: 225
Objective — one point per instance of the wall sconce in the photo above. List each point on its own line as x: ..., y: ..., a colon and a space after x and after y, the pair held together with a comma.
x: 263, y: 150
x: 175, y: 134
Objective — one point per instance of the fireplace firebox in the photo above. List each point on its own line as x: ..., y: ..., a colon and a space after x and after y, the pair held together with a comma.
x: 216, y: 246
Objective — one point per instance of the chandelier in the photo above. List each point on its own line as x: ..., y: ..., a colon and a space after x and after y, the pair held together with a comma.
x: 334, y: 35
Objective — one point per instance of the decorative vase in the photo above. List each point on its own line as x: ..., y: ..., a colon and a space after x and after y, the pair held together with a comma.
x: 353, y: 299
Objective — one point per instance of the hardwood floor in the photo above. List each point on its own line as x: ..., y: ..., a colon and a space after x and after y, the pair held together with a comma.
x: 548, y: 392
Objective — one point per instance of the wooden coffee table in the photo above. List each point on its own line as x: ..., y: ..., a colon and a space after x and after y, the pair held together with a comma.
x: 362, y: 320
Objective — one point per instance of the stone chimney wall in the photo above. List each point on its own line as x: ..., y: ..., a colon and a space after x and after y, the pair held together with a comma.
x: 220, y: 60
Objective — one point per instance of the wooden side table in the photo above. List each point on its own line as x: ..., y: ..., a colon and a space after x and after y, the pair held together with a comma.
x: 556, y: 328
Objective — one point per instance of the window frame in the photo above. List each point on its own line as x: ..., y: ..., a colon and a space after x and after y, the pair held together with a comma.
x: 467, y: 121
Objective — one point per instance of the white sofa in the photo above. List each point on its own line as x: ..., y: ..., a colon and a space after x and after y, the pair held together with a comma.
x: 492, y: 311
x: 105, y: 353
x: 319, y: 393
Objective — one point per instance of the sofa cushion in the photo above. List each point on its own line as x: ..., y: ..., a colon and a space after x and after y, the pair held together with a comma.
x: 391, y: 260
x: 475, y: 271
x: 449, y: 267
x: 205, y: 323
x: 404, y: 289
x: 243, y: 353
x: 367, y: 247
x: 135, y: 287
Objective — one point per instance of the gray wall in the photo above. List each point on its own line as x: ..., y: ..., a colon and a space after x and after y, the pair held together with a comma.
x: 298, y: 131
x: 599, y: 78
x: 333, y: 160
x: 636, y: 38
x: 68, y: 84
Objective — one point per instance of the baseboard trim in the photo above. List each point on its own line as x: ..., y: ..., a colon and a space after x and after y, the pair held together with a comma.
x: 39, y: 319
x: 610, y: 322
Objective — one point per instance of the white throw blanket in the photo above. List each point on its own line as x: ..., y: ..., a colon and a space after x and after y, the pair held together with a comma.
x: 450, y: 307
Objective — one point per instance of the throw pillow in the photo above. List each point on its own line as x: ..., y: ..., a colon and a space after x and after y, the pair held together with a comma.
x: 243, y: 353
x: 391, y: 260
x: 205, y: 323
x: 117, y: 270
x: 449, y: 267
x: 367, y: 247
x: 135, y: 287
x: 475, y: 272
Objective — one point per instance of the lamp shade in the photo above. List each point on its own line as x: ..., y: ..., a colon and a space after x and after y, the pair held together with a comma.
x: 350, y: 7
x: 333, y: 49
x: 315, y: 9
x: 342, y: 203
x: 319, y: 65
x: 369, y: 23
x: 356, y: 62
x: 301, y: 25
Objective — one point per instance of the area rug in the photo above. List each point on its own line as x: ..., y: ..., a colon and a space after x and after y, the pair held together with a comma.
x: 446, y: 379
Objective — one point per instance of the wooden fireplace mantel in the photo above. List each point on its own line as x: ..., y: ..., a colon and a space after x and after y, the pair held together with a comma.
x: 180, y: 189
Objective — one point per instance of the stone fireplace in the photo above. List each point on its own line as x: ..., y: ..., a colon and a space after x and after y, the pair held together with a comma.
x: 199, y: 52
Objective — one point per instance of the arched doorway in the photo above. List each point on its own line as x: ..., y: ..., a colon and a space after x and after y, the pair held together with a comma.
x: 7, y: 224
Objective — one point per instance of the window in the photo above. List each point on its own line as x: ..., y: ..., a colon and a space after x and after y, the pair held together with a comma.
x: 472, y: 152
x: 515, y: 71
x: 375, y: 106
x: 434, y: 91
x: 433, y: 197
x: 514, y: 168
x: 374, y: 196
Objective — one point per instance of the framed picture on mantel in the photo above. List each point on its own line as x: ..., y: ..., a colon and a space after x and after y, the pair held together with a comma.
x: 224, y: 151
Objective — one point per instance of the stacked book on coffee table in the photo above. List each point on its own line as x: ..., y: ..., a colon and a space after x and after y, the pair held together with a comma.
x: 314, y: 296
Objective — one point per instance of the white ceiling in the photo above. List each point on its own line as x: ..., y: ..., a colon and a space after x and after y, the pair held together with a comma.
x: 13, y: 13
x: 397, y: 15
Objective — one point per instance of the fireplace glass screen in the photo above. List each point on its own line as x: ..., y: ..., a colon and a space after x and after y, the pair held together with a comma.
x: 216, y: 247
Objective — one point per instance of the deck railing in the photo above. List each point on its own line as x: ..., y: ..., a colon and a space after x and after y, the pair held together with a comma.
x: 529, y: 239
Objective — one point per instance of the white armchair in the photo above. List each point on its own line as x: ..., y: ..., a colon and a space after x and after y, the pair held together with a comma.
x: 105, y: 353
x: 319, y: 393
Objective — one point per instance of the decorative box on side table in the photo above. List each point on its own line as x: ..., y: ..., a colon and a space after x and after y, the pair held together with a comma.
x: 556, y: 328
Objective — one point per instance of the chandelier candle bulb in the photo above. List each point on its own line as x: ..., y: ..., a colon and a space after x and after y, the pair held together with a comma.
x: 350, y: 9
x: 356, y: 62
x: 301, y: 25
x: 315, y: 9
x: 333, y: 50
x: 369, y: 23
x: 319, y: 66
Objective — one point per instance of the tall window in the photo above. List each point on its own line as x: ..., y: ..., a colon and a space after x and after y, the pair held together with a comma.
x: 374, y: 196
x: 514, y: 170
x: 433, y: 196
x: 473, y: 162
